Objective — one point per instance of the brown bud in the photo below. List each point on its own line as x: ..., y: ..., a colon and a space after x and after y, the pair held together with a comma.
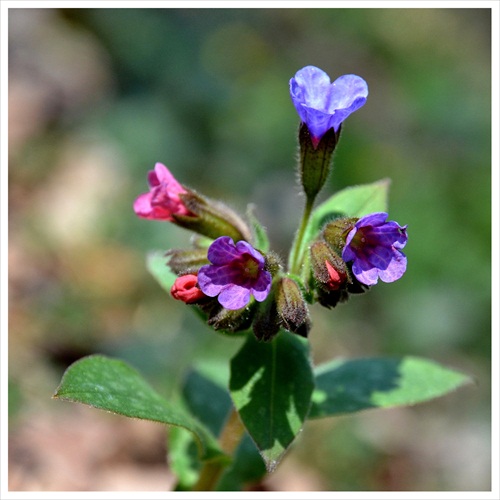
x: 211, y: 218
x: 336, y: 231
x: 329, y: 270
x: 292, y: 307
x: 187, y: 261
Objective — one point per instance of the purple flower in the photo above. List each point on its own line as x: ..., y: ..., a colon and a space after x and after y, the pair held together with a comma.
x: 374, y: 246
x: 322, y: 105
x: 236, y: 272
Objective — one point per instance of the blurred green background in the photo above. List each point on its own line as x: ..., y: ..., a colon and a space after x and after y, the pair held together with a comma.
x: 97, y: 96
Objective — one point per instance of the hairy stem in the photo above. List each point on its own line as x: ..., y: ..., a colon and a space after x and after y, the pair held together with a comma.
x: 295, y: 259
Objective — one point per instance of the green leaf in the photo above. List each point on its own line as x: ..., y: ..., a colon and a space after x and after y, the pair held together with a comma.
x: 183, y: 458
x: 271, y: 385
x: 206, y: 395
x: 209, y: 403
x: 261, y: 241
x: 156, y: 263
x: 359, y: 384
x: 353, y: 201
x: 246, y: 468
x: 112, y: 385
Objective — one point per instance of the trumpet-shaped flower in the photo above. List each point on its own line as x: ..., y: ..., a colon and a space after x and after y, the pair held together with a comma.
x: 162, y: 201
x: 235, y: 274
x: 322, y: 105
x: 374, y: 246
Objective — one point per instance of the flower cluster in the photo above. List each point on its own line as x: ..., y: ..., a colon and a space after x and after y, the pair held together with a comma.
x: 235, y: 281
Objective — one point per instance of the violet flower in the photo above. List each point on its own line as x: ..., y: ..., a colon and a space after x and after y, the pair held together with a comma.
x: 163, y: 199
x: 236, y: 272
x: 374, y: 246
x: 322, y: 105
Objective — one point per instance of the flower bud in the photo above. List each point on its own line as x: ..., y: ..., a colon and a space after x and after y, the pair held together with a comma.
x: 315, y: 159
x: 336, y: 231
x: 185, y: 288
x: 274, y: 263
x: 267, y: 321
x: 292, y: 308
x: 329, y: 270
x: 211, y: 218
x: 330, y: 274
x: 222, y: 319
x: 186, y: 261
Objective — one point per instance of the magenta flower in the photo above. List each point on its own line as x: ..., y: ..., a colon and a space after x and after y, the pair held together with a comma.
x: 163, y: 199
x: 236, y: 272
x: 374, y: 246
x: 322, y: 105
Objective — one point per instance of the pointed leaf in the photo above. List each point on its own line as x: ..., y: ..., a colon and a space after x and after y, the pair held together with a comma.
x: 206, y: 395
x: 359, y: 384
x: 156, y: 263
x: 355, y: 201
x: 112, y: 385
x: 247, y: 467
x: 271, y: 386
x: 210, y: 403
x: 261, y: 241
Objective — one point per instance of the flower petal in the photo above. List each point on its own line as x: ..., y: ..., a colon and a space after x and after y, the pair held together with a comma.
x: 395, y: 269
x: 142, y: 205
x: 368, y: 276
x: 212, y: 278
x: 348, y: 92
x: 223, y: 251
x: 234, y: 297
x: 375, y: 219
x: 389, y: 234
x: 310, y: 87
x: 261, y: 288
x: 207, y: 281
x: 245, y: 248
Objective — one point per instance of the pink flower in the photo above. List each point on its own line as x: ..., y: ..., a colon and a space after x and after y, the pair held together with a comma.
x: 162, y: 201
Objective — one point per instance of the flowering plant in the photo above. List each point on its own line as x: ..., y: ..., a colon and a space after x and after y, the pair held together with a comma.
x: 241, y: 288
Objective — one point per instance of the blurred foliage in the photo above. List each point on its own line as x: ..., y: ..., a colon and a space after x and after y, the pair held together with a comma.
x: 97, y: 96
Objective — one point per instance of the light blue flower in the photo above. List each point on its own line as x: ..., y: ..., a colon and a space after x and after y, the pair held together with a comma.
x: 322, y: 105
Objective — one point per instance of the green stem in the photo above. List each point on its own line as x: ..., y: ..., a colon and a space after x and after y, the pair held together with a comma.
x: 230, y: 438
x: 295, y: 259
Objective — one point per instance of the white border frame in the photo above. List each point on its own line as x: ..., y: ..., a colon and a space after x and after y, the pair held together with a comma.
x: 494, y: 5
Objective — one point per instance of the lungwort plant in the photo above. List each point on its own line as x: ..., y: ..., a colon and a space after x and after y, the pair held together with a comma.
x: 228, y: 435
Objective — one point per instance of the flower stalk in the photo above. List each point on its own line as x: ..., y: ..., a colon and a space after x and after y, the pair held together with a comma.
x: 230, y: 437
x: 296, y: 253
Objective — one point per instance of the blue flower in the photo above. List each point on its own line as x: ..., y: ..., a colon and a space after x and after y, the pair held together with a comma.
x: 322, y: 105
x: 374, y: 246
x: 236, y: 272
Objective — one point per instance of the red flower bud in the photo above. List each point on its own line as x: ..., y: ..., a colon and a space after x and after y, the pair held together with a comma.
x: 185, y: 288
x: 337, y: 277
